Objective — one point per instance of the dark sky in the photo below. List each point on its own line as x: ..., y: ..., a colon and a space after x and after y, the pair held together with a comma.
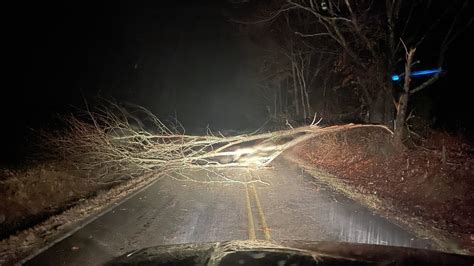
x: 135, y: 52
x: 169, y: 56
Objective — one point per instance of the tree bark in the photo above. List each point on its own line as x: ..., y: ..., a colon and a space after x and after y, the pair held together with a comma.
x: 399, y: 132
x: 381, y: 109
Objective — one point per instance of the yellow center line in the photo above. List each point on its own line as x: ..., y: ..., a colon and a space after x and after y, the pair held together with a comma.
x: 263, y: 222
x: 250, y: 224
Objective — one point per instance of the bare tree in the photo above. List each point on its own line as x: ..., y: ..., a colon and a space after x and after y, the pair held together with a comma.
x: 290, y: 66
x: 105, y: 144
x: 449, y: 36
x: 365, y: 37
x: 403, y: 101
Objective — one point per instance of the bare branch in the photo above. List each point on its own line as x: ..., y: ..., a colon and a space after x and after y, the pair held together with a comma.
x: 113, y: 150
x: 425, y: 84
x: 312, y: 34
x: 264, y: 20
x: 333, y: 30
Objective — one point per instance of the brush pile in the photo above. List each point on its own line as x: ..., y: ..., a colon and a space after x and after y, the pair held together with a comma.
x: 108, y: 143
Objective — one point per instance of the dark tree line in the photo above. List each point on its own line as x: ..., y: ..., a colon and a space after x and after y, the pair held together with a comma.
x: 336, y: 57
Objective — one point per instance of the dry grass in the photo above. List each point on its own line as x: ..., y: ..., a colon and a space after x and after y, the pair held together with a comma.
x: 22, y: 244
x: 32, y: 195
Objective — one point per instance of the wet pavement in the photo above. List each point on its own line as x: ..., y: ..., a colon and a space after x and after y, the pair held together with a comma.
x: 287, y: 205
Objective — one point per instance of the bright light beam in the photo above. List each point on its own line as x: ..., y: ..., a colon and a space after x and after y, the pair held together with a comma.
x: 425, y: 72
x: 419, y: 73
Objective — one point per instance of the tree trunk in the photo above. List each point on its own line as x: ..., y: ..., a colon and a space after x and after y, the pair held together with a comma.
x: 295, y: 90
x: 399, y: 132
x: 381, y: 110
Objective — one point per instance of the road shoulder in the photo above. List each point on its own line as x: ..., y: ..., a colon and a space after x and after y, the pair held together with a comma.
x: 29, y: 242
x: 382, y: 207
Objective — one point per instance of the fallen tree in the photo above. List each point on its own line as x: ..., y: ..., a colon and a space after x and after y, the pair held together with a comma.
x: 107, y: 144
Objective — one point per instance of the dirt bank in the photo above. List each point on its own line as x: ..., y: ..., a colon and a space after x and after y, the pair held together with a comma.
x: 426, y: 186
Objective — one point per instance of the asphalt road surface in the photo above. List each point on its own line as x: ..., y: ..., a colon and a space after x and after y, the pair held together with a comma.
x: 287, y: 205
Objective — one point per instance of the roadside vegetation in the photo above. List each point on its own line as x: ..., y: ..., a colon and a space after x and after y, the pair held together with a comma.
x: 426, y: 187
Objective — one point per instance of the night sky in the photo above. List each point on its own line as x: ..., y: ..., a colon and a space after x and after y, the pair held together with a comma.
x: 183, y: 58
x: 178, y: 59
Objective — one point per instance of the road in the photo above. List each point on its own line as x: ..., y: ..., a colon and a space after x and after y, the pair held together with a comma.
x: 287, y: 205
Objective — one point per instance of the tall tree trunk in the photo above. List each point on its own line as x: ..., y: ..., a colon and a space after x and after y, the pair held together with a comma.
x: 381, y: 107
x: 399, y: 133
x: 295, y: 89
x: 389, y: 107
x: 376, y: 109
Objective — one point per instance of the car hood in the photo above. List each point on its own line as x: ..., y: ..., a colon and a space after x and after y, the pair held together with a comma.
x: 287, y: 253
